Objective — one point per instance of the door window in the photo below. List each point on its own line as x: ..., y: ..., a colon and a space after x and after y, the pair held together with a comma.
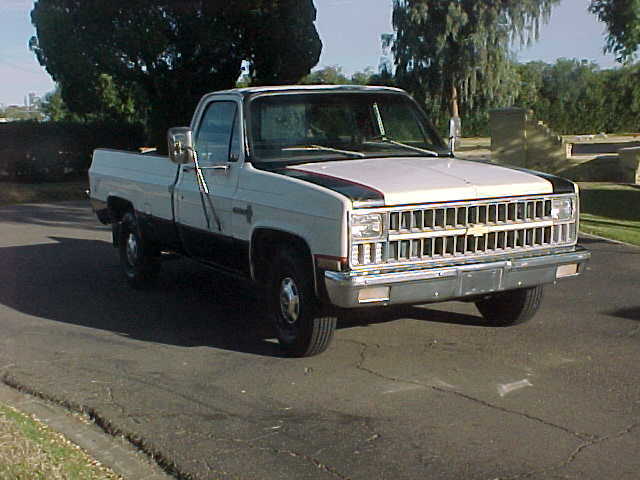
x: 214, y: 140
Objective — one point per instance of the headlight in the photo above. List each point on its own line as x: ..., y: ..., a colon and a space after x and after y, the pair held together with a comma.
x: 367, y: 226
x: 562, y: 208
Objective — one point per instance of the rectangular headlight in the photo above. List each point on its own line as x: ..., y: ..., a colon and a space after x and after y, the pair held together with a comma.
x: 562, y: 208
x: 368, y: 226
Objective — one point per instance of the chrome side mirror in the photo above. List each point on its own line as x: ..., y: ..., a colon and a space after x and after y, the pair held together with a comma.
x: 180, y: 140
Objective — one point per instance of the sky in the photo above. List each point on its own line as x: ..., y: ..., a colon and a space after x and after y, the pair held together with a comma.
x: 350, y: 32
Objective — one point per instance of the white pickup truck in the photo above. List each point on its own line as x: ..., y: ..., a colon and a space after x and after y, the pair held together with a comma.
x: 338, y: 197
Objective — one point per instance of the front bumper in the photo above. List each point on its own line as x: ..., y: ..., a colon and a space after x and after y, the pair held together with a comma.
x: 413, y: 286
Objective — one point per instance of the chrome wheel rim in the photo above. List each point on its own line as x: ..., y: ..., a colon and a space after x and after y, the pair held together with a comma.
x: 289, y: 301
x: 132, y: 250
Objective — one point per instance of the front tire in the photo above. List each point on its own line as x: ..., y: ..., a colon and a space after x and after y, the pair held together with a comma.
x: 511, y: 307
x: 138, y: 263
x: 302, y: 326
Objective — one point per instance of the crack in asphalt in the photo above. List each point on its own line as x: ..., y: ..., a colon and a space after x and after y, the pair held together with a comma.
x: 360, y: 366
x: 284, y: 451
x: 573, y: 455
x: 314, y: 461
x: 317, y: 463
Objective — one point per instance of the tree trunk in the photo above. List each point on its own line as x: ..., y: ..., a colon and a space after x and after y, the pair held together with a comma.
x: 455, y: 124
x: 454, y: 102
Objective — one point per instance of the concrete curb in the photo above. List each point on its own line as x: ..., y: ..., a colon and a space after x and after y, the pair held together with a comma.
x: 114, y: 452
x: 598, y: 237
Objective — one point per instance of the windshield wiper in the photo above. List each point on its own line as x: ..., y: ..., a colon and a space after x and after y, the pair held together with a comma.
x: 321, y: 148
x: 385, y: 139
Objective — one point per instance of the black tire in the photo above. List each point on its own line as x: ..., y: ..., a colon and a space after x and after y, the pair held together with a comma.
x: 302, y: 326
x: 511, y: 307
x: 139, y: 263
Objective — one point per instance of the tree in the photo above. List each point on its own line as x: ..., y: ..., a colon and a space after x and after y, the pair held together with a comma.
x: 108, y: 104
x: 454, y: 50
x: 168, y: 53
x: 623, y: 22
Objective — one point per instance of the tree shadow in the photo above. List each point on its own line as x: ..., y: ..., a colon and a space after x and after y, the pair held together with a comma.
x: 79, y: 282
x: 632, y: 313
x: 73, y: 214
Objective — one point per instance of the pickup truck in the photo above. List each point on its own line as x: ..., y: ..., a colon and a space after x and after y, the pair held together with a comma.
x: 338, y: 197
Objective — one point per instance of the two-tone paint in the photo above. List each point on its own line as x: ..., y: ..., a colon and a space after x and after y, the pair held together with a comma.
x: 311, y: 202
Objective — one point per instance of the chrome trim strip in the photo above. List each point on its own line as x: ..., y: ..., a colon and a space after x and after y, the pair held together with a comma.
x: 461, y: 260
x: 499, y: 227
x: 463, y: 203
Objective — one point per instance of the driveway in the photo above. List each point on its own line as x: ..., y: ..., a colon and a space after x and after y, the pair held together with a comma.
x: 190, y: 372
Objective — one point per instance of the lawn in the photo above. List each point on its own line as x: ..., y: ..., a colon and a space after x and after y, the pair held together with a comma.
x: 611, y: 210
x: 29, y: 450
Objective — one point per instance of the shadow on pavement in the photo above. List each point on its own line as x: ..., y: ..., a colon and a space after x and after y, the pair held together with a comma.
x: 632, y: 313
x: 79, y: 282
x: 65, y: 214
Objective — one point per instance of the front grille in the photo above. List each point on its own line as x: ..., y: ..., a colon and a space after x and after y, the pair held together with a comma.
x: 461, y: 230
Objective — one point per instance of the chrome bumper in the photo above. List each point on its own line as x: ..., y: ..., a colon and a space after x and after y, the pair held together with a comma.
x: 353, y: 289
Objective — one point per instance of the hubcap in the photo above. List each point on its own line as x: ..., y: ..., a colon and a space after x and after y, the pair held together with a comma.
x: 289, y: 301
x: 132, y: 249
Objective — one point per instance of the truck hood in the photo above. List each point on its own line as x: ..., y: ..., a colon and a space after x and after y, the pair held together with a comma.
x: 412, y: 180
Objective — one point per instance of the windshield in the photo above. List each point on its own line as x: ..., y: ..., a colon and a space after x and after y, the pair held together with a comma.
x: 308, y: 127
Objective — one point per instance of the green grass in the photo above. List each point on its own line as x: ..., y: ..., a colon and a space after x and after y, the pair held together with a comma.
x: 611, y: 210
x: 11, y: 193
x: 29, y: 450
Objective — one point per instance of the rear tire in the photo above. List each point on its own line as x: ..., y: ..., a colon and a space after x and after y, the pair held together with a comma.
x: 302, y: 326
x: 511, y: 307
x: 139, y: 264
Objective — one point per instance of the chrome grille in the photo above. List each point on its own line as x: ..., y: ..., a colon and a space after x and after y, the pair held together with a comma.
x: 464, y: 216
x: 449, y: 231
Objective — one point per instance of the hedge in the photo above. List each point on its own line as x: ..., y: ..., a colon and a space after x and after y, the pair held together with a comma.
x: 53, y: 151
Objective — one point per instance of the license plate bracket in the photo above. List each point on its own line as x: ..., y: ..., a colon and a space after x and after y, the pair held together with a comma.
x: 478, y: 282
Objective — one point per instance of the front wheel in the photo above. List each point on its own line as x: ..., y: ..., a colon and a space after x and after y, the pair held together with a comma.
x: 302, y: 327
x: 139, y: 265
x: 511, y: 307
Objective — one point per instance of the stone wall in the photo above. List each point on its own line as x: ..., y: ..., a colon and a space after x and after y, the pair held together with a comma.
x: 630, y: 164
x: 518, y: 139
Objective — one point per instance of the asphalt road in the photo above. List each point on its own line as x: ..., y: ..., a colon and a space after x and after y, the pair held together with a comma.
x: 190, y: 370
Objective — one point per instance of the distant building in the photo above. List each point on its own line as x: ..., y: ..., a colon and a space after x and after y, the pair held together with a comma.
x: 33, y: 101
x: 386, y: 60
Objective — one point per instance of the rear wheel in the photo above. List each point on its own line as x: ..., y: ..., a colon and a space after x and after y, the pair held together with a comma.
x: 139, y: 264
x: 511, y: 307
x: 302, y: 326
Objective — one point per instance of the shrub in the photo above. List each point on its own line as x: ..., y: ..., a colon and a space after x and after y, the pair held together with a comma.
x: 52, y: 151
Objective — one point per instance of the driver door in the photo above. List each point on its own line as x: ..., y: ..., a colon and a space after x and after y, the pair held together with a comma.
x: 204, y: 221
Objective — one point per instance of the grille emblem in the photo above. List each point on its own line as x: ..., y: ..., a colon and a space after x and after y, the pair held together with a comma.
x: 478, y: 230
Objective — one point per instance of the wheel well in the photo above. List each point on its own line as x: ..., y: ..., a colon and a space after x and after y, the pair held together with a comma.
x: 118, y: 207
x: 265, y: 243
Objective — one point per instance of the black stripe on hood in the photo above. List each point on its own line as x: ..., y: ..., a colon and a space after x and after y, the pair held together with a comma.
x: 559, y: 184
x: 356, y: 192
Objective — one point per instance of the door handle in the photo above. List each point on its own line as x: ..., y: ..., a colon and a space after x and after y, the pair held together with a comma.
x: 217, y: 169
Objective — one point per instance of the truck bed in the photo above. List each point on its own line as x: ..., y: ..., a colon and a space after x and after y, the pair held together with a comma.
x: 145, y: 180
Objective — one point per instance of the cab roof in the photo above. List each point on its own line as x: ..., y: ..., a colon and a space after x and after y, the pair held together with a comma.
x: 306, y: 88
